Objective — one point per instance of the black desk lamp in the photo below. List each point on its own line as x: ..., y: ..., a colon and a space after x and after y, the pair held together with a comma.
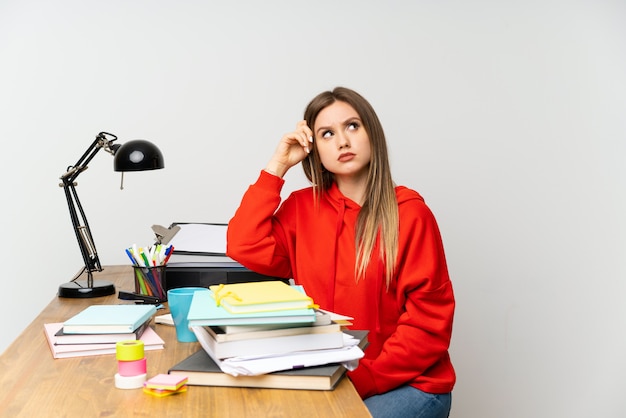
x: 136, y: 155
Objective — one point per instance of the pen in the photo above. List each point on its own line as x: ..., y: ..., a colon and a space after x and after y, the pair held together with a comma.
x: 168, y: 254
x: 156, y: 255
x: 143, y: 288
x: 135, y: 253
x: 151, y: 253
x: 162, y: 254
x: 144, y: 257
x: 132, y: 259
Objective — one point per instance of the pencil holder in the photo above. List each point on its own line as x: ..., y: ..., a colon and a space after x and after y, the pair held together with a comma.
x: 150, y: 281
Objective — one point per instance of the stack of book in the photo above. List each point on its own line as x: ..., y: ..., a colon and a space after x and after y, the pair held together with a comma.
x: 96, y: 329
x: 266, y: 334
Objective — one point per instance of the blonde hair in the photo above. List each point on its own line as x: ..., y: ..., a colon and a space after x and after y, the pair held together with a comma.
x: 378, y: 218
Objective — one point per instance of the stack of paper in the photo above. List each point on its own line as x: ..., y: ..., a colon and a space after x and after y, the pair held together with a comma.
x: 347, y: 352
x: 252, y: 329
x: 202, y: 370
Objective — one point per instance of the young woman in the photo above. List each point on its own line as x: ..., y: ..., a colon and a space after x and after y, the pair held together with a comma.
x: 360, y: 246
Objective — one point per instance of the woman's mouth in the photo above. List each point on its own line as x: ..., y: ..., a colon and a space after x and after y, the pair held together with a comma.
x: 346, y: 156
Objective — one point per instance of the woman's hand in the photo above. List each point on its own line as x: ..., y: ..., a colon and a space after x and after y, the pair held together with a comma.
x: 292, y: 148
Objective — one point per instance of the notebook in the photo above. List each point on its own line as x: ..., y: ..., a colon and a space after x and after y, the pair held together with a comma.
x: 150, y: 338
x: 205, y: 312
x: 262, y: 296
x: 108, y: 319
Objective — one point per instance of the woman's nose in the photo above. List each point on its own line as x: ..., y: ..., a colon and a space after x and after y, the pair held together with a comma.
x: 343, y: 141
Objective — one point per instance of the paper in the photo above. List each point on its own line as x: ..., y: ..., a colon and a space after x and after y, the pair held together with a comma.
x: 200, y: 238
x: 257, y: 365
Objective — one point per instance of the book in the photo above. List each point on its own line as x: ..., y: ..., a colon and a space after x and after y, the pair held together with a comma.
x: 108, y: 319
x: 205, y: 312
x: 150, y: 338
x: 61, y: 338
x: 263, y: 296
x: 269, y: 345
x: 201, y: 370
x: 343, y: 320
x: 243, y: 332
x: 165, y: 319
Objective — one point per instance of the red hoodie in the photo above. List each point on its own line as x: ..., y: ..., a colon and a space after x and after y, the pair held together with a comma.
x: 409, y: 325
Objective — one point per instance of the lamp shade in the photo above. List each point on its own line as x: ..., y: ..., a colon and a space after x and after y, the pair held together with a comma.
x: 138, y: 155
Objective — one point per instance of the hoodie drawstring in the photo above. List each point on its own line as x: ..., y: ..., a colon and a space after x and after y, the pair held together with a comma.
x: 341, y: 210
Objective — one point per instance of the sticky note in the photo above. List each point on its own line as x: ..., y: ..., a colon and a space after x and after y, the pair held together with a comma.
x: 166, y: 382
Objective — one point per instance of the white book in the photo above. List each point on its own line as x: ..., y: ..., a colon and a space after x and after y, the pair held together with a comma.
x: 222, y: 336
x: 272, y: 345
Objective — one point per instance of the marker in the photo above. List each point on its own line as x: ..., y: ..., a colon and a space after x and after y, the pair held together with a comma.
x: 156, y: 255
x: 135, y: 253
x: 145, y: 258
x: 132, y: 259
x: 153, y: 256
x: 162, y: 254
x: 136, y: 257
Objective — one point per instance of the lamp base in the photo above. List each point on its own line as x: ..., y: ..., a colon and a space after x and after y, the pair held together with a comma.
x: 79, y: 289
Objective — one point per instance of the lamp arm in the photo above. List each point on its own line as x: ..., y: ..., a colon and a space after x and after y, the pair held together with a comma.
x: 104, y: 140
x: 83, y: 234
x: 84, y: 237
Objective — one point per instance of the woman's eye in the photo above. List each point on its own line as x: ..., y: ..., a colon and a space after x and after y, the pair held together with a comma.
x: 353, y: 126
x: 327, y: 134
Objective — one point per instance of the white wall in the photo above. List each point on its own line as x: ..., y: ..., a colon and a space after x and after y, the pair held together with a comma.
x: 507, y: 116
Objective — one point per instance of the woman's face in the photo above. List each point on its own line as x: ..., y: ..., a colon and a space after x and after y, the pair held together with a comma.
x: 341, y: 140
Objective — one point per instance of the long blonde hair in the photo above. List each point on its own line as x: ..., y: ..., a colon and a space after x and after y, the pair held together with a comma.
x: 379, y: 213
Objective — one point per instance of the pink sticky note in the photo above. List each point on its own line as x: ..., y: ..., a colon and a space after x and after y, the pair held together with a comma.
x: 166, y: 381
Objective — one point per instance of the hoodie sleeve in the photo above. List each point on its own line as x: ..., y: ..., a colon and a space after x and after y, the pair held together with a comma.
x: 416, y: 352
x: 254, y: 237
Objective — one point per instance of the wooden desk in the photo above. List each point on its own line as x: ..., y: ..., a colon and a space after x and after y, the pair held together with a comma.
x: 33, y: 384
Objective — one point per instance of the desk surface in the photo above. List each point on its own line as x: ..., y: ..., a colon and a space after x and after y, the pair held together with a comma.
x: 32, y: 383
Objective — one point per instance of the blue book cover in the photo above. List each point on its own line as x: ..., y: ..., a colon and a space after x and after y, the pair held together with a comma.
x: 108, y: 319
x: 205, y: 312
